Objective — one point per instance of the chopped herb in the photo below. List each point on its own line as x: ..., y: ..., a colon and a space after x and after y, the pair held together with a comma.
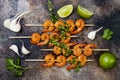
x: 62, y: 45
x: 54, y: 17
x: 107, y: 34
x: 73, y: 61
x: 77, y: 67
x: 53, y: 41
x: 14, y: 66
x: 68, y: 52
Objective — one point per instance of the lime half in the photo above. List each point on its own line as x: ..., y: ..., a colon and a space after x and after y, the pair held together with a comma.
x: 65, y: 11
x: 84, y: 13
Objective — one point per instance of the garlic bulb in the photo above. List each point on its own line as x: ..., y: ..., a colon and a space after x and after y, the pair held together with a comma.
x: 15, y: 49
x: 24, y: 50
x: 92, y: 34
x: 14, y: 23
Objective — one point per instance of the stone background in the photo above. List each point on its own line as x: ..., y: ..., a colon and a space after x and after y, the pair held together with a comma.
x: 106, y: 14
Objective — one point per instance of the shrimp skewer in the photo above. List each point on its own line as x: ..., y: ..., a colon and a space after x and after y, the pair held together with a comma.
x: 42, y: 60
x: 81, y: 49
x: 89, y: 25
x: 22, y: 37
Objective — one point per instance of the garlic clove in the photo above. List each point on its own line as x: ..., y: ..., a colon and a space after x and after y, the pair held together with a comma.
x: 15, y: 49
x: 15, y: 26
x: 23, y: 49
x: 91, y: 35
x: 7, y: 23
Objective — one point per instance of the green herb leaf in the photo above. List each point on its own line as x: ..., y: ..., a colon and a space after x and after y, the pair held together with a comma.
x: 77, y: 68
x: 54, y: 17
x: 53, y: 41
x: 107, y: 34
x: 14, y: 67
x: 62, y: 45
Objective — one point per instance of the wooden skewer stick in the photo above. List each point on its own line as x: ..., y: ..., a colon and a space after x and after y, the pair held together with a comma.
x: 42, y: 25
x: 14, y: 37
x: 42, y: 60
x: 82, y: 49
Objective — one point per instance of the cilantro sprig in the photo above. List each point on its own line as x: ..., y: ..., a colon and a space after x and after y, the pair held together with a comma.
x: 107, y: 34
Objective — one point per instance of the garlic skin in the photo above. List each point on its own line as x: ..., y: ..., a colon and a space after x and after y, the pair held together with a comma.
x: 23, y: 49
x: 91, y: 35
x: 15, y: 49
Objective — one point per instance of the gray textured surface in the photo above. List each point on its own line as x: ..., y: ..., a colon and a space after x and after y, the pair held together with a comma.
x: 106, y: 14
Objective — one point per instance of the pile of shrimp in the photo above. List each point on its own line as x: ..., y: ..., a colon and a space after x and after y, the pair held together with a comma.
x: 59, y: 38
x: 61, y: 31
x: 73, y: 27
x: 79, y: 55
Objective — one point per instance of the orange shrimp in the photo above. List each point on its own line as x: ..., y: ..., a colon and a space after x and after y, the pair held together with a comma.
x: 70, y: 59
x: 80, y: 24
x: 54, y: 36
x: 50, y: 60
x: 77, y: 49
x: 44, y: 38
x: 57, y: 50
x: 61, y: 61
x: 58, y: 23
x: 88, y: 49
x: 83, y: 59
x: 35, y: 38
x: 48, y: 25
x: 71, y: 44
x: 71, y: 24
x: 66, y: 38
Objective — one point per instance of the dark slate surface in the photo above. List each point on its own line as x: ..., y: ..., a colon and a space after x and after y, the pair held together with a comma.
x: 106, y: 14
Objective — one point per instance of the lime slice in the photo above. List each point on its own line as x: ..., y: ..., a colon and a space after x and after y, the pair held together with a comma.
x: 84, y: 13
x: 65, y: 11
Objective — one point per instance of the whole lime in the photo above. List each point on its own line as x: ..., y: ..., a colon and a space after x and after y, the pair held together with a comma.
x: 107, y: 60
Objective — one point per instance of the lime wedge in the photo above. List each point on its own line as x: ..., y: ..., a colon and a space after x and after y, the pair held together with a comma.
x: 65, y: 11
x: 84, y: 13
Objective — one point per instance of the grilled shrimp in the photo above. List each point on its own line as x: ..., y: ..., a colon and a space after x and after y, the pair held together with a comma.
x: 35, y: 38
x: 88, y: 49
x: 61, y: 61
x: 71, y: 24
x: 66, y: 38
x: 44, y: 38
x: 77, y: 49
x: 58, y: 23
x: 82, y: 59
x: 50, y: 60
x: 80, y: 26
x: 48, y: 25
x: 57, y: 50
x: 54, y: 36
x: 72, y: 59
